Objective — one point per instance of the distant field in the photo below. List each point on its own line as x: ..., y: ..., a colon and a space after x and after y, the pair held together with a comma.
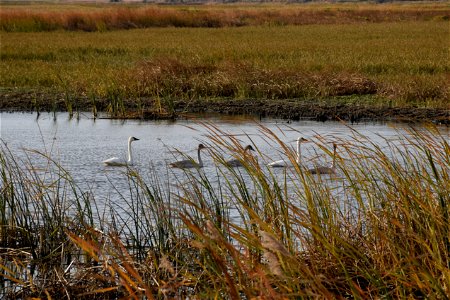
x: 402, y: 63
x: 101, y: 17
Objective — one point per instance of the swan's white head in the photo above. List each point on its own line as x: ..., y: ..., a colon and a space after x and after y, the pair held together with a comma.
x: 301, y: 140
x: 132, y: 139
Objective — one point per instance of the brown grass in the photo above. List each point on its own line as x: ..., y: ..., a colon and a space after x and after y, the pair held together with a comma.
x: 379, y: 228
x: 397, y: 64
x: 166, y: 77
x: 170, y: 77
x: 22, y: 18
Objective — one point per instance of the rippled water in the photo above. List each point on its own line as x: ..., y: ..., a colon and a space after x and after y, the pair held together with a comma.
x: 81, y: 145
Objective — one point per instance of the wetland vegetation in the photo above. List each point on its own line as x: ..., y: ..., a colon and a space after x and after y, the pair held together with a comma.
x: 378, y: 228
x: 365, y: 59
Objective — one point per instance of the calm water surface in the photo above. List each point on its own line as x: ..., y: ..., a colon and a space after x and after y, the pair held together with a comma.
x: 81, y: 145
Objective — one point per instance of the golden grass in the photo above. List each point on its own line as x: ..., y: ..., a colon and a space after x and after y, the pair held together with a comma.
x: 102, y: 17
x: 404, y: 62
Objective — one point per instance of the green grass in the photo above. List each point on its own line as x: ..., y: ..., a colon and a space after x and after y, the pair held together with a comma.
x: 405, y: 62
x: 380, y: 228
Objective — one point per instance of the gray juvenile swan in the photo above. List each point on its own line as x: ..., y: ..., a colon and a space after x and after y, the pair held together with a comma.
x: 232, y: 163
x: 119, y: 162
x: 189, y: 163
x: 326, y: 170
x: 283, y: 163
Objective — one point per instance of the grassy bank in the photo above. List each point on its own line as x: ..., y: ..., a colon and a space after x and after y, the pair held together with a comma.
x: 393, y: 63
x: 379, y: 228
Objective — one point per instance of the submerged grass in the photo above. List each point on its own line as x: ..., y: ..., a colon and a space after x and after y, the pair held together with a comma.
x: 378, y: 228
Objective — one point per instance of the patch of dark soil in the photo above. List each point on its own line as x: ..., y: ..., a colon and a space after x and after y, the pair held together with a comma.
x: 310, y: 110
x: 289, y: 109
x: 12, y: 100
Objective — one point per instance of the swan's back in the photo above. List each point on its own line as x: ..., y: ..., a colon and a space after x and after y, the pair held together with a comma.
x: 185, y: 164
x: 115, y: 161
x: 279, y: 164
x: 322, y: 170
x: 233, y: 163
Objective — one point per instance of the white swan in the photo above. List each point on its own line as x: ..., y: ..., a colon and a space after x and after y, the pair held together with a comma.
x: 232, y: 163
x: 283, y: 163
x: 119, y: 162
x: 189, y: 163
x: 326, y: 170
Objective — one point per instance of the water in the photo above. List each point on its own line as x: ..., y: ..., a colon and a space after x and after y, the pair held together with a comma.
x: 80, y: 145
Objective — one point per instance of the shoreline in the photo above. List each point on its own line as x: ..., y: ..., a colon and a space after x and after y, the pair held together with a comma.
x: 294, y: 110
x: 286, y: 109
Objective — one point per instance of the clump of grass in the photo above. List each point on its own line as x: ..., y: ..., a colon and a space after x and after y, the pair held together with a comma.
x: 173, y: 78
x: 115, y: 99
x: 94, y: 109
x: 418, y: 91
x: 378, y: 228
x: 39, y: 201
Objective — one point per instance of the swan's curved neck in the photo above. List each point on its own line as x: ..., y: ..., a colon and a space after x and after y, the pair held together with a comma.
x: 299, y: 153
x: 130, y: 155
x: 200, y: 162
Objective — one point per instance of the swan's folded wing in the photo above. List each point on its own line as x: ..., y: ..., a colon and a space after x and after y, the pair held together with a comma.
x: 180, y: 164
x: 321, y: 170
x: 113, y: 161
x: 185, y: 164
x: 278, y: 163
x: 233, y: 163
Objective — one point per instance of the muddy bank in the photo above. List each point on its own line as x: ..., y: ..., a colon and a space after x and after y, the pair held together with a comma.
x: 311, y: 110
x: 288, y: 109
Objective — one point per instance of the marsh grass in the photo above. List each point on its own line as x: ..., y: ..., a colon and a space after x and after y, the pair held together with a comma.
x: 173, y: 78
x: 378, y: 228
x: 28, y: 18
x: 36, y: 210
x: 400, y: 64
x: 115, y: 99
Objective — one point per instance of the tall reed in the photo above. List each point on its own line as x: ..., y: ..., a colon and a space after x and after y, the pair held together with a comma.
x: 39, y: 203
x: 377, y: 228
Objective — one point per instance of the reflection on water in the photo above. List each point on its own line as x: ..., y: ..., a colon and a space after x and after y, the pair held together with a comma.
x: 81, y: 145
